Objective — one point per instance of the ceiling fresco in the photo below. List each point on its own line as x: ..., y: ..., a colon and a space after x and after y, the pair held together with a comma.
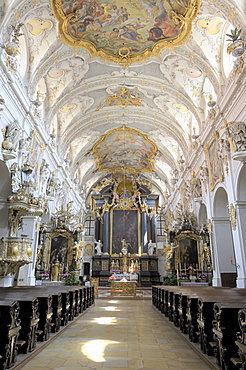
x: 124, y: 150
x: 125, y: 31
x: 95, y: 68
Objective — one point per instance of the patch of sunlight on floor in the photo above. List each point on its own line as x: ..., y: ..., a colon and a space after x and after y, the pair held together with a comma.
x: 113, y: 301
x: 94, y: 349
x: 112, y: 308
x: 105, y: 320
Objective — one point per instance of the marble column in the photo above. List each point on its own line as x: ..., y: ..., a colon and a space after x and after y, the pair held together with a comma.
x: 153, y: 229
x: 97, y: 229
x: 29, y: 229
x: 106, y: 232
x: 144, y: 232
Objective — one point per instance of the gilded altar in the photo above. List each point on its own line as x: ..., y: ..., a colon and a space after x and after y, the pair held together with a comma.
x: 123, y: 288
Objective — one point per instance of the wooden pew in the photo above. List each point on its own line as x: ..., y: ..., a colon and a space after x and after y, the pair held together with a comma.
x: 44, y: 307
x: 9, y: 331
x: 241, y: 339
x: 225, y: 329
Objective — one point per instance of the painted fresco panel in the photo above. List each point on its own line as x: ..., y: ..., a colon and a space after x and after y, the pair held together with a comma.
x: 137, y: 25
x: 125, y: 148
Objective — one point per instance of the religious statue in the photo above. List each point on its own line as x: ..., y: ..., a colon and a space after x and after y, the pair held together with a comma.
x: 51, y: 185
x: 170, y: 250
x: 191, y: 270
x: 237, y: 131
x: 98, y: 247
x: 195, y: 186
x: 116, y: 197
x: 55, y: 271
x: 151, y: 248
x: 44, y: 173
x: 112, y: 265
x: 16, y: 182
x: 206, y: 255
x: 12, y: 135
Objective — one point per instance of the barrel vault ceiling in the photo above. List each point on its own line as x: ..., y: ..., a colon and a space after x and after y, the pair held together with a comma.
x: 166, y: 95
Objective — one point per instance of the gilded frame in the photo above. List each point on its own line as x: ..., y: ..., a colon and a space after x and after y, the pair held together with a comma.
x: 133, y: 169
x: 138, y: 229
x: 178, y: 16
x: 48, y: 243
x: 215, y: 165
x: 187, y: 235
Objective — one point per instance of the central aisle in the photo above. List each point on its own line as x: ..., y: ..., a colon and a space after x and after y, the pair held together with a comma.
x: 118, y: 334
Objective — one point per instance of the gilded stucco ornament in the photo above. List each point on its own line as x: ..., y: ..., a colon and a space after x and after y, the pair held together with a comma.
x: 232, y: 215
x: 125, y: 32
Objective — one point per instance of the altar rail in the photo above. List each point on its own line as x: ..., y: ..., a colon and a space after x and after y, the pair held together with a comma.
x: 212, y: 316
x: 30, y: 314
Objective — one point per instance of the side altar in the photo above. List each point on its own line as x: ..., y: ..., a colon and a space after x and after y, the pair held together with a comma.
x: 125, y: 212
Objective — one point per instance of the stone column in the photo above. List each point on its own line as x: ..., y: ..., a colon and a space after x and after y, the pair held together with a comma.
x: 29, y: 229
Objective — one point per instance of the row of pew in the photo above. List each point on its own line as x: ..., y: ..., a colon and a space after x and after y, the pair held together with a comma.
x: 215, y: 317
x: 31, y: 314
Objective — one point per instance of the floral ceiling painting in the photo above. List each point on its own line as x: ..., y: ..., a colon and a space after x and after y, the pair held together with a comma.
x: 125, y: 30
x: 124, y: 150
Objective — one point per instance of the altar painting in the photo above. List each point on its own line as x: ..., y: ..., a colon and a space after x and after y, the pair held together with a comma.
x: 124, y: 225
x: 59, y: 250
x: 215, y: 166
x: 125, y: 28
x: 125, y: 148
x: 188, y: 253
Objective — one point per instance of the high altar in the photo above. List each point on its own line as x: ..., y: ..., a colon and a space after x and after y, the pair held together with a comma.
x: 125, y: 210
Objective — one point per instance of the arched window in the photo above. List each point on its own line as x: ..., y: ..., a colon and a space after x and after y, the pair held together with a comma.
x: 160, y: 223
x: 90, y: 226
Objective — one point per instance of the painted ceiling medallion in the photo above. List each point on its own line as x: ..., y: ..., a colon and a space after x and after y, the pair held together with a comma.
x: 125, y: 32
x: 56, y: 73
x: 124, y: 150
x: 194, y: 73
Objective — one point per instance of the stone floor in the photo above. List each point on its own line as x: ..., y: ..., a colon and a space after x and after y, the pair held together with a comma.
x: 118, y: 333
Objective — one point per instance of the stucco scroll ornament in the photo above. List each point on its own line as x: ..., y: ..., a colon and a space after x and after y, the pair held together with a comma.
x: 232, y: 216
